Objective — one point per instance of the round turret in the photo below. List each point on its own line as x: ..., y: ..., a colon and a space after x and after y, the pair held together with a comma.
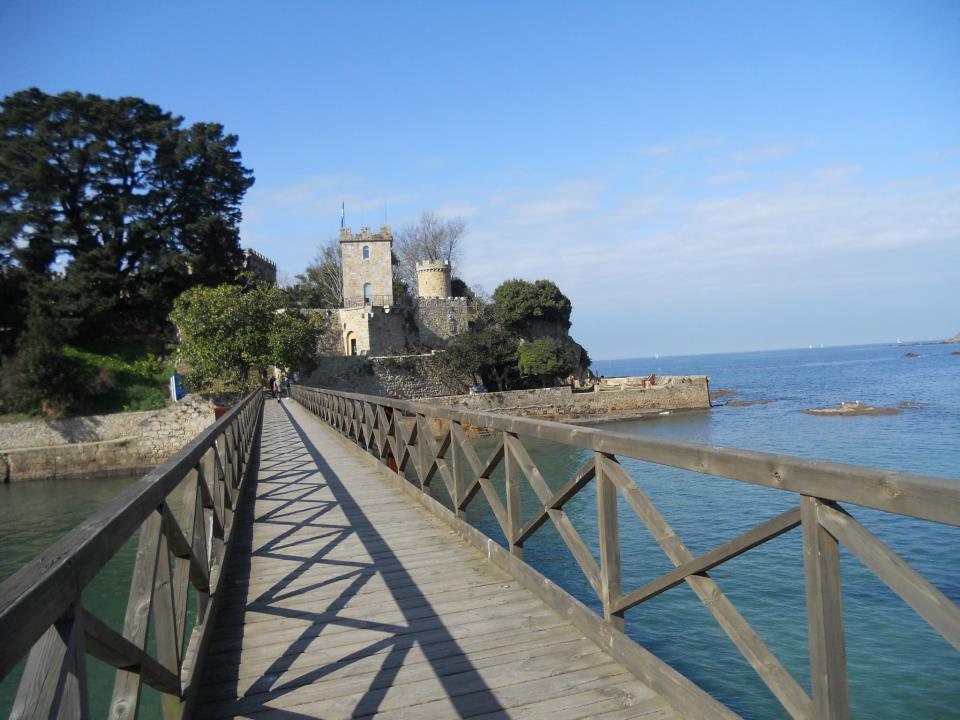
x: 433, y: 279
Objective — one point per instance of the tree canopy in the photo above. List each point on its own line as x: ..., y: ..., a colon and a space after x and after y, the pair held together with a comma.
x: 321, y: 284
x: 519, y: 339
x: 114, y: 205
x: 520, y: 304
x: 487, y: 354
x: 226, y: 332
x: 430, y: 238
x: 544, y: 359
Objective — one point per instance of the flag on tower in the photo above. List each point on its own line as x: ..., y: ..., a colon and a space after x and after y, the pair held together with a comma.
x: 341, y: 214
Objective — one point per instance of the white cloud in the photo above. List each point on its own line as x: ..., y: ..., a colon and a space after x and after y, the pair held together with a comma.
x: 800, y: 231
x: 728, y: 178
x: 762, y: 153
x: 660, y: 151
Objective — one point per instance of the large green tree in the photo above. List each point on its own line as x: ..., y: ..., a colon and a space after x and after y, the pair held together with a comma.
x: 545, y: 359
x: 521, y: 305
x: 228, y: 331
x: 486, y: 353
x: 113, y: 206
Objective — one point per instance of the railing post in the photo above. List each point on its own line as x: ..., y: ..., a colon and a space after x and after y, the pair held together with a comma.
x: 423, y: 451
x: 457, y: 461
x: 165, y: 624
x: 513, y: 497
x: 828, y: 662
x: 54, y: 681
x: 608, y: 524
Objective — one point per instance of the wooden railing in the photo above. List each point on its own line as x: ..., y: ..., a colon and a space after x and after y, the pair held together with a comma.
x: 401, y: 434
x: 40, y: 605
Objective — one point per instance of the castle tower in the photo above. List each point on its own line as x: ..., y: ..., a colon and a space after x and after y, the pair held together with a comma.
x: 367, y: 262
x: 433, y: 279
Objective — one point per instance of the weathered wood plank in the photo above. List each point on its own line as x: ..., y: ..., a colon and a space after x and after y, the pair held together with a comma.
x: 43, y: 691
x: 105, y: 644
x: 34, y: 597
x: 769, y: 530
x: 924, y: 497
x: 931, y: 604
x: 828, y: 657
x: 828, y: 662
x: 126, y: 689
x: 558, y: 499
x: 437, y: 628
x: 767, y: 666
x: 608, y: 526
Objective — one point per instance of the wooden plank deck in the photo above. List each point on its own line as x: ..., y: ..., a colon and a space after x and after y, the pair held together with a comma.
x: 344, y: 599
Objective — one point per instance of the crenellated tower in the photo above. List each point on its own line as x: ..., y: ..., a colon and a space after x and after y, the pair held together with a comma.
x: 433, y: 279
x: 367, y: 263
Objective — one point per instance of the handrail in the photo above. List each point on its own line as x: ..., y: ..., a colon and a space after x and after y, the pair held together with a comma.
x: 397, y: 433
x: 40, y: 605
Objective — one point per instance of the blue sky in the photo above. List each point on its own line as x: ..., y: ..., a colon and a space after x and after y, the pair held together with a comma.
x: 697, y: 177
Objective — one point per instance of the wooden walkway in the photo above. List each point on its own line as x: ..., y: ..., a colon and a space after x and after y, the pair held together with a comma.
x: 344, y: 599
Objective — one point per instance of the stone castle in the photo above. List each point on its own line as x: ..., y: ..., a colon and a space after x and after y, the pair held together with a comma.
x: 372, y: 321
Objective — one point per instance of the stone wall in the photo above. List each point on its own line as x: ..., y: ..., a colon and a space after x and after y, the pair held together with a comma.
x: 404, y: 376
x: 670, y: 393
x: 100, y: 444
x: 378, y: 330
x: 439, y: 319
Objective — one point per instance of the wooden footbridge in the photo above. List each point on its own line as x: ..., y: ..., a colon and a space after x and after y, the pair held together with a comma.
x: 293, y: 562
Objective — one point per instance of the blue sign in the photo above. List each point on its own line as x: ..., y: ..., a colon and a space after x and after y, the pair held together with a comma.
x: 176, y: 387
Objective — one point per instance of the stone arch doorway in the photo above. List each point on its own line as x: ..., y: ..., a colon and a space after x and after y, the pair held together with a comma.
x: 350, y: 344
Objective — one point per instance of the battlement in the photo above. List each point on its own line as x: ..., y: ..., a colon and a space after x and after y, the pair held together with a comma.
x: 260, y: 265
x: 433, y: 279
x: 366, y: 235
x: 433, y: 265
x: 248, y: 252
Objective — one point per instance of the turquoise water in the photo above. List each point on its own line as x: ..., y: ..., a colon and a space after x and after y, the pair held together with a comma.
x: 898, y: 666
x: 33, y: 515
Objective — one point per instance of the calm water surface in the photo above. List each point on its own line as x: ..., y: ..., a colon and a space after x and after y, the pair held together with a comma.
x: 35, y: 514
x: 899, y: 667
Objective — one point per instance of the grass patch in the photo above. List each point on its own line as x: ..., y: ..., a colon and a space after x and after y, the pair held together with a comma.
x: 122, y: 375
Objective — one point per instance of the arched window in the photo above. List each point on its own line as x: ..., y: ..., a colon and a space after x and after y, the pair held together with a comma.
x: 366, y: 252
x: 367, y: 293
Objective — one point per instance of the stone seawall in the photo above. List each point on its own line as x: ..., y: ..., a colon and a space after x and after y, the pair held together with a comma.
x: 681, y: 392
x: 103, y: 445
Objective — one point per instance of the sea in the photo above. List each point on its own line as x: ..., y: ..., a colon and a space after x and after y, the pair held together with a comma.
x: 898, y: 666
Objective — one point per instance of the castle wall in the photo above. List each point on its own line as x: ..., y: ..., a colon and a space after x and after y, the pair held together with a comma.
x: 378, y: 330
x: 405, y: 376
x: 377, y: 269
x: 439, y: 319
x: 260, y: 265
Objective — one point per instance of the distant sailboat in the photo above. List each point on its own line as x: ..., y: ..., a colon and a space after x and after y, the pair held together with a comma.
x: 656, y: 356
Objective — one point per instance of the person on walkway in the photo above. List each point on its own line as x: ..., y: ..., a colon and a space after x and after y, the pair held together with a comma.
x: 274, y: 388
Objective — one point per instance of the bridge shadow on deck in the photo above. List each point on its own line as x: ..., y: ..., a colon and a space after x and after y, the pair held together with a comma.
x: 295, y: 473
